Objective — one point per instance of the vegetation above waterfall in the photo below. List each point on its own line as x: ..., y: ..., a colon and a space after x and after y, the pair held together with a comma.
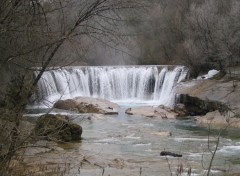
x: 199, y: 34
x: 202, y: 34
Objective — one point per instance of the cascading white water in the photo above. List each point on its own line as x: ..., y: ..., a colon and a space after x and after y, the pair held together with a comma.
x: 115, y: 83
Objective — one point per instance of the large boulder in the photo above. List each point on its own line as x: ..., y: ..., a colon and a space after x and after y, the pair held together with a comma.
x: 197, y: 106
x: 203, y: 96
x: 57, y: 128
x: 217, y: 119
x: 88, y: 105
x: 70, y: 105
x: 181, y: 110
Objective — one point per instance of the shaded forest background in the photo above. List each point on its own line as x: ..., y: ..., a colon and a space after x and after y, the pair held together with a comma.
x: 199, y: 34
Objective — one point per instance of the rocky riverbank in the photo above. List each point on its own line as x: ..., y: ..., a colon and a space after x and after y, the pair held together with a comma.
x: 216, y: 101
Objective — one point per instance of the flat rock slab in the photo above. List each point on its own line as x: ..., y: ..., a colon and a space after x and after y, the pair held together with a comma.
x: 88, y: 105
x: 149, y: 111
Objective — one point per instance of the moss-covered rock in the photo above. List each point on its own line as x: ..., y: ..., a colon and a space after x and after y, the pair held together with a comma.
x: 57, y: 127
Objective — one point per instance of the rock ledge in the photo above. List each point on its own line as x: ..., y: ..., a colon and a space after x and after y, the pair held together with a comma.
x: 88, y: 105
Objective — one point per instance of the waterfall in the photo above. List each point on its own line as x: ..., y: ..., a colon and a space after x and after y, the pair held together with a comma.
x: 115, y: 83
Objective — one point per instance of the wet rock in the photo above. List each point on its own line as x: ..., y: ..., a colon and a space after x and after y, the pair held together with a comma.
x: 69, y: 104
x: 89, y: 108
x: 194, y: 106
x: 88, y: 105
x: 57, y: 127
x: 128, y: 111
x: 209, y: 95
x: 117, y: 163
x: 166, y: 153
x: 152, y: 112
x: 217, y: 119
x: 181, y: 110
x: 165, y: 112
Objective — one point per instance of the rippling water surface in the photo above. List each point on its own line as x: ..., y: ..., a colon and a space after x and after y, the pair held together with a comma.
x: 134, y: 141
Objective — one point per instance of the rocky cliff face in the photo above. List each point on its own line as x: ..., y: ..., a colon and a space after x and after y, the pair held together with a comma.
x: 202, y: 96
x: 197, y: 106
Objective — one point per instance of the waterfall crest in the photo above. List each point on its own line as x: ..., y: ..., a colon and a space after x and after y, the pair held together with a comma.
x: 115, y: 83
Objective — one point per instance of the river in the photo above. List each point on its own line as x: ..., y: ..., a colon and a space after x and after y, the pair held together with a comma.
x: 129, y: 145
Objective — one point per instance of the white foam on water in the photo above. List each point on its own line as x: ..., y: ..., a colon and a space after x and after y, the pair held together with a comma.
x: 178, y: 139
x: 195, y: 155
x: 142, y: 144
x: 230, y: 149
x: 107, y: 141
x: 132, y: 136
x: 148, y: 150
x: 54, y: 113
x: 148, y: 125
x: 33, y: 115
